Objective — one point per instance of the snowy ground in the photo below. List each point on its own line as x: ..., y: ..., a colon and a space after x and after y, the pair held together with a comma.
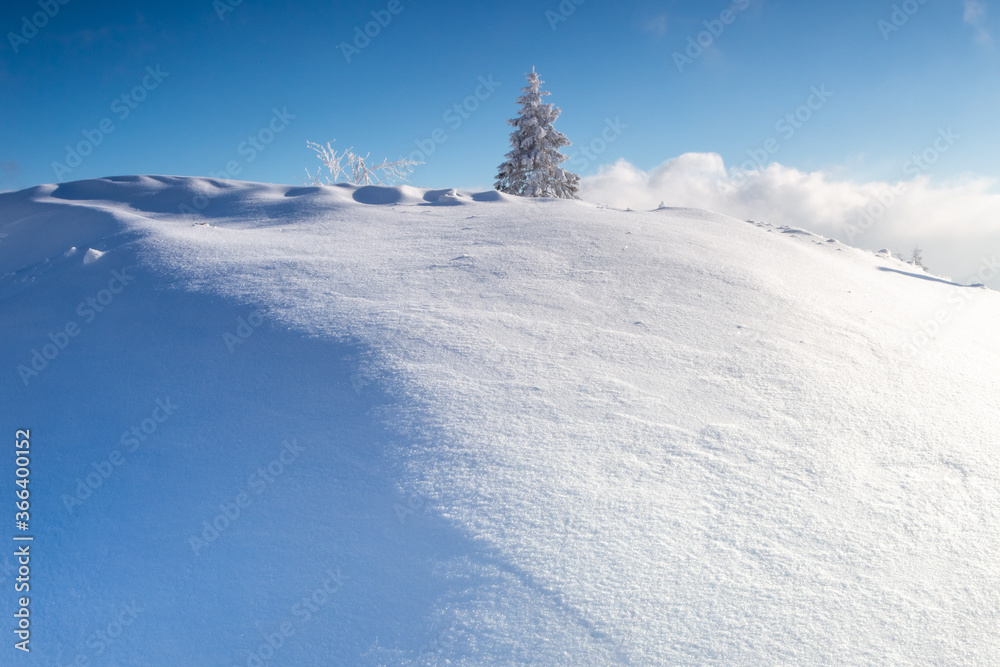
x: 470, y: 429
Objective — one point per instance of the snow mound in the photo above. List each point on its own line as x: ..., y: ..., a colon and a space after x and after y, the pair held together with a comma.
x: 92, y: 255
x: 361, y: 425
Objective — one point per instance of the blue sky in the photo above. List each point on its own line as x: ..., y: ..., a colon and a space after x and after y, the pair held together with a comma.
x: 891, y: 91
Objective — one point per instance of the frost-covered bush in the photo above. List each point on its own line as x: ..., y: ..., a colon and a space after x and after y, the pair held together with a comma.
x: 349, y: 167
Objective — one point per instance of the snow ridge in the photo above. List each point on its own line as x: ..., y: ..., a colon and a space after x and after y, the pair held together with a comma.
x: 524, y: 431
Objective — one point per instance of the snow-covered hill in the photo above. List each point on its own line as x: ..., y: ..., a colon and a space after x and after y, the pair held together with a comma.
x: 363, y: 426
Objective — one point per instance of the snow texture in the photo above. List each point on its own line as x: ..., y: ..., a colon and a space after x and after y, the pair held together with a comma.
x: 477, y: 429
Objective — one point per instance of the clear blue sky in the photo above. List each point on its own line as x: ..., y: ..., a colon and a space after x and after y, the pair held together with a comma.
x: 606, y: 60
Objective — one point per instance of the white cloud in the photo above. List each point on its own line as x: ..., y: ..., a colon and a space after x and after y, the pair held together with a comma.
x: 955, y: 223
x: 975, y: 11
x: 975, y: 15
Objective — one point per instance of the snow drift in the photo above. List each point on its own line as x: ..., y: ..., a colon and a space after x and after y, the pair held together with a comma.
x: 343, y: 425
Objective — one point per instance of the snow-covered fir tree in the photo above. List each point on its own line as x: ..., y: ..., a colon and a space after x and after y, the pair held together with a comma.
x: 532, y: 167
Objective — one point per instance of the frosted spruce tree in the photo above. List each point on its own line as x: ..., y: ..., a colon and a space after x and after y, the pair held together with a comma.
x: 532, y: 167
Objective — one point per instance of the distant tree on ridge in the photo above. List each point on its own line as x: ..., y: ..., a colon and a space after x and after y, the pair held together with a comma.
x: 532, y: 166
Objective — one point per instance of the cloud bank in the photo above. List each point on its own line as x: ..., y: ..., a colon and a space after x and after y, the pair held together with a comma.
x: 957, y: 224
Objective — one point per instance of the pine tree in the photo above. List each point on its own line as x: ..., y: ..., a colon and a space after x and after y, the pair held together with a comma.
x: 532, y: 167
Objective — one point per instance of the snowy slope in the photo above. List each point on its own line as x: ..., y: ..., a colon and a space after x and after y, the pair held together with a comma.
x: 499, y: 431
